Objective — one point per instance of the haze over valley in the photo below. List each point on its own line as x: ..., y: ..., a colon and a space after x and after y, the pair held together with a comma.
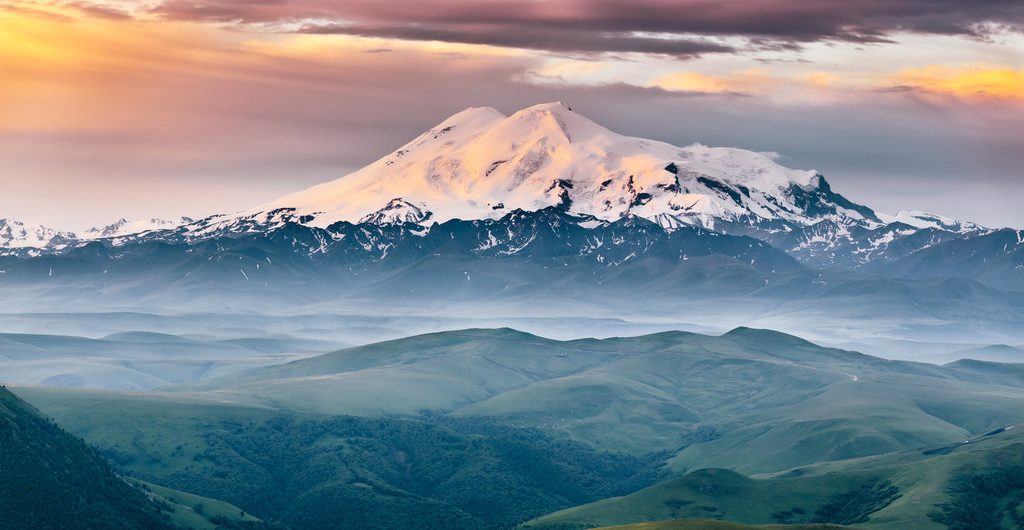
x: 686, y: 266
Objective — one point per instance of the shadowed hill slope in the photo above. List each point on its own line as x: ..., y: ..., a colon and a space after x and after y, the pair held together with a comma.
x: 50, y: 479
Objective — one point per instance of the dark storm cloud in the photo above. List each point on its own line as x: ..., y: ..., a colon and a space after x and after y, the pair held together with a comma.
x: 616, y: 26
x: 529, y: 38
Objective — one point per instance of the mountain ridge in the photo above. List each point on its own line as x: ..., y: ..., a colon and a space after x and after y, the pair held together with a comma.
x: 481, y: 164
x: 548, y: 185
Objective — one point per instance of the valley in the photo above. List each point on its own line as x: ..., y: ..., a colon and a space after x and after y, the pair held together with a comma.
x: 520, y: 321
x: 585, y: 432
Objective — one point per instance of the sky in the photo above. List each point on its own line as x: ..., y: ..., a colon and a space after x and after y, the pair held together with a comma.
x: 162, y: 108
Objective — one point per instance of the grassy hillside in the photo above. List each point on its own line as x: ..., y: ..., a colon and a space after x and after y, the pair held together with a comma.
x: 482, y: 428
x: 201, y: 513
x: 723, y: 494
x: 977, y: 484
x: 50, y: 479
x: 704, y: 524
x: 318, y: 472
x: 138, y: 360
x: 750, y: 400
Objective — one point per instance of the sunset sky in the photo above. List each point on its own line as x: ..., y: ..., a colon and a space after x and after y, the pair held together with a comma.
x: 161, y: 108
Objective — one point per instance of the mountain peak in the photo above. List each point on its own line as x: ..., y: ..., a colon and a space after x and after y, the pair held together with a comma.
x: 554, y: 106
x: 925, y: 220
x: 397, y: 211
x: 479, y: 164
x: 471, y: 116
x: 18, y: 234
x: 124, y: 226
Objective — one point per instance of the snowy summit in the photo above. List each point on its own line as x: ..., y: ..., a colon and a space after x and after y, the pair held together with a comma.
x: 481, y: 164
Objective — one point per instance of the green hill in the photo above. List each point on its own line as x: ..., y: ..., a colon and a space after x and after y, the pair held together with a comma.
x: 704, y: 524
x: 482, y: 428
x: 976, y: 484
x: 202, y: 513
x: 50, y: 479
x: 319, y: 472
x: 750, y: 400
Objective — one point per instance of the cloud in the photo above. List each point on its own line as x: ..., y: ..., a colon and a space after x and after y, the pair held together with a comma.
x: 531, y: 38
x: 972, y: 82
x: 65, y: 11
x: 97, y: 10
x: 672, y: 27
x: 755, y: 81
x: 29, y: 9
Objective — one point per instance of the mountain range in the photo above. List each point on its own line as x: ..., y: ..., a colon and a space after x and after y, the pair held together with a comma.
x: 482, y: 165
x: 545, y: 204
x: 21, y: 235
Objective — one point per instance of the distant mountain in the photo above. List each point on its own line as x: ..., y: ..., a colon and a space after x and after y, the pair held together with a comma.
x: 480, y: 164
x: 995, y: 257
x: 50, y: 479
x: 919, y: 219
x: 544, y: 188
x: 19, y: 235
x: 134, y: 361
x: 544, y: 252
x: 124, y: 227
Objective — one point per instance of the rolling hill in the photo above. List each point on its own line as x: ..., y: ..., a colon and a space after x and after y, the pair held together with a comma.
x: 751, y: 400
x: 428, y: 424
x: 316, y: 472
x: 974, y: 484
x: 138, y: 360
x: 50, y: 479
x: 705, y: 524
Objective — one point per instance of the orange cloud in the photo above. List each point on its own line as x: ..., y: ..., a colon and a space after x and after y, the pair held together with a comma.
x: 968, y: 82
x: 754, y: 81
x: 822, y: 79
x: 134, y: 107
x: 86, y: 73
x: 82, y: 73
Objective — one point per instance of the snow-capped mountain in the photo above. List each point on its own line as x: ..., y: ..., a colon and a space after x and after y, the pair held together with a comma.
x: 123, y: 227
x: 19, y: 235
x: 481, y: 164
x: 548, y: 184
x: 918, y: 219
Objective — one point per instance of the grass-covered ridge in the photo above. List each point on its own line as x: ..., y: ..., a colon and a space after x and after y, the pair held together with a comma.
x: 319, y: 472
x: 752, y: 400
x: 705, y: 524
x: 50, y: 479
x: 975, y: 484
x: 485, y: 428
